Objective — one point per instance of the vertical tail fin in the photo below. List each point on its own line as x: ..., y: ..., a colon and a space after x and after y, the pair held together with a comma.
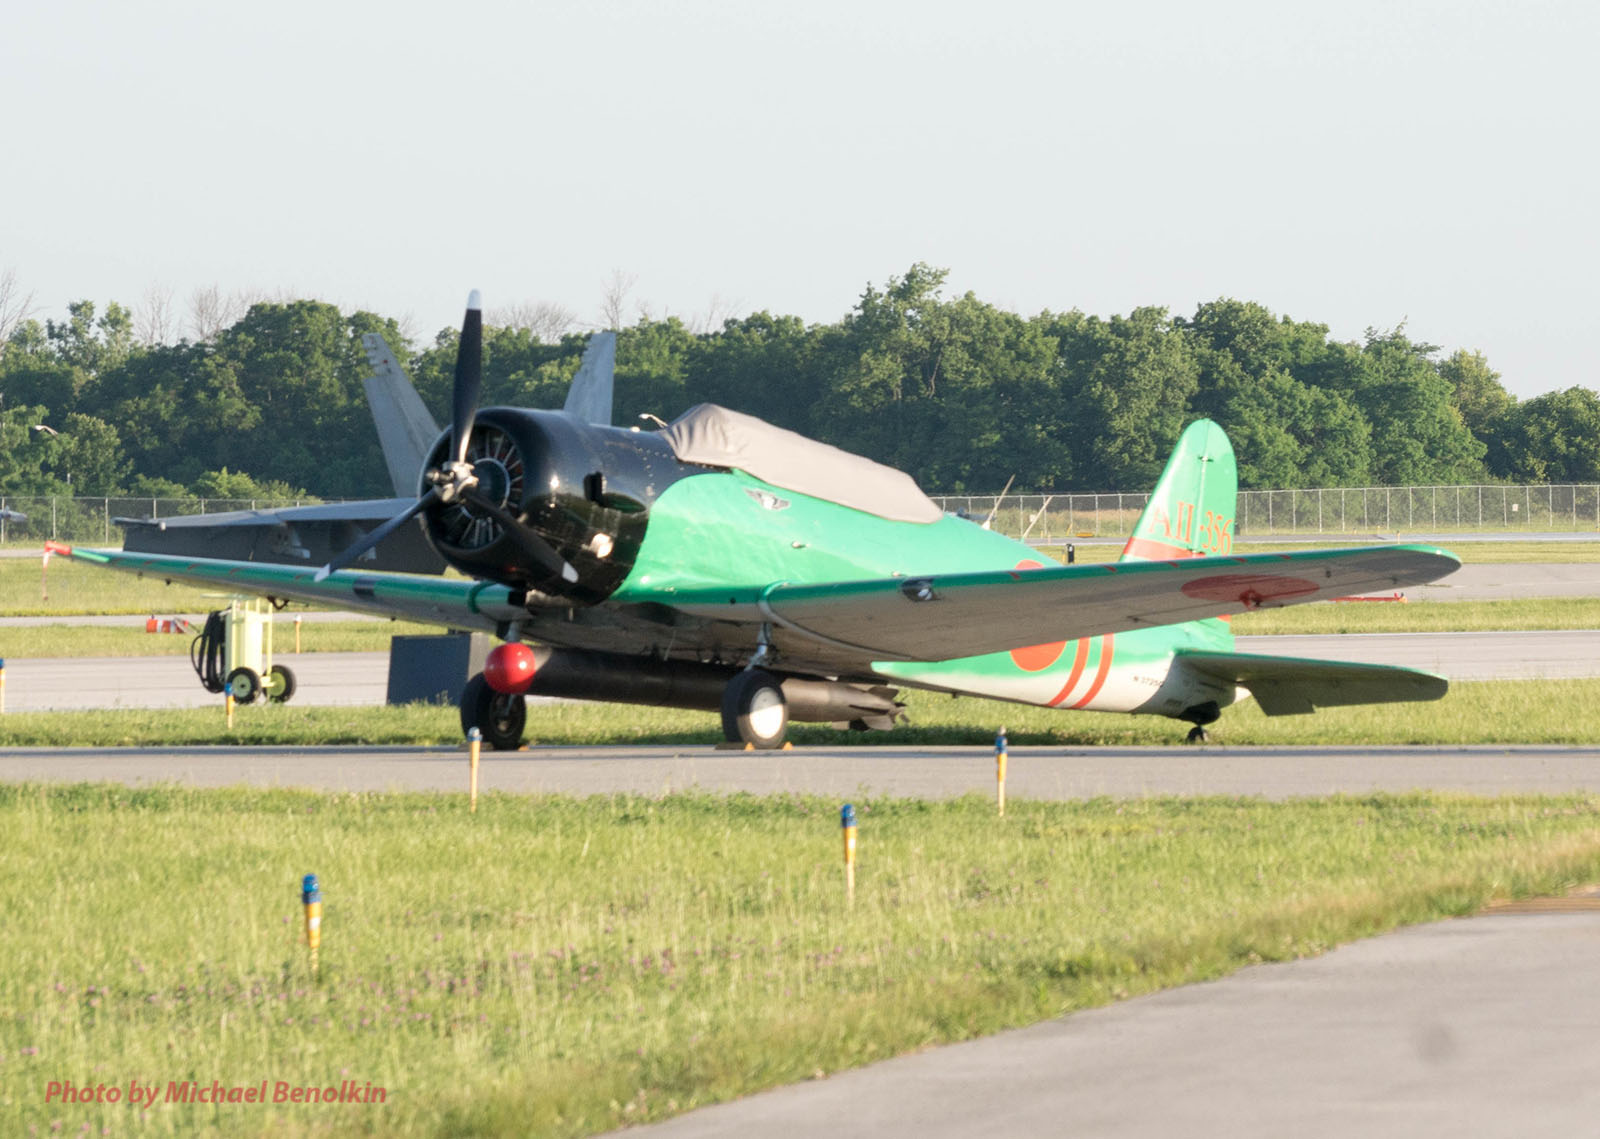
x: 1191, y: 511
x: 589, y: 397
x: 405, y: 429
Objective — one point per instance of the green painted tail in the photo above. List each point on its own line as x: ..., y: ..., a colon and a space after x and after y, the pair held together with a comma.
x: 1190, y: 513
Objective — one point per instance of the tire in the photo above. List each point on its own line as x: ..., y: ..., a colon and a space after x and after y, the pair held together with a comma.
x: 500, y: 717
x: 280, y: 684
x: 754, y: 710
x: 245, y: 685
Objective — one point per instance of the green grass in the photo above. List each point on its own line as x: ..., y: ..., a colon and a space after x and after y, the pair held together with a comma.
x: 69, y: 587
x: 557, y: 966
x: 1492, y: 712
x: 24, y: 642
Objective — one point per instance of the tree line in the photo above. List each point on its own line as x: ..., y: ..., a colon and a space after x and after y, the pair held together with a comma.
x: 959, y: 393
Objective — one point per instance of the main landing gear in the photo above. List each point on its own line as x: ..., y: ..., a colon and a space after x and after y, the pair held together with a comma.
x: 1200, y: 715
x: 498, y: 715
x: 754, y: 711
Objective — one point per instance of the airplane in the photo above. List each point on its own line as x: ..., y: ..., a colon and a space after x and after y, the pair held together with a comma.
x: 725, y: 564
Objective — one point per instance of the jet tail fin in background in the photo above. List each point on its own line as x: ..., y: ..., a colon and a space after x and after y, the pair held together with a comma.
x: 589, y: 398
x: 405, y: 429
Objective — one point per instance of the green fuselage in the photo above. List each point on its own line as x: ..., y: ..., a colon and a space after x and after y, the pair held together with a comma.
x: 716, y: 541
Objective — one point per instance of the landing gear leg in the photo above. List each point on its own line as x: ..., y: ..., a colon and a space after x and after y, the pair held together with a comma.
x: 754, y: 711
x: 500, y: 717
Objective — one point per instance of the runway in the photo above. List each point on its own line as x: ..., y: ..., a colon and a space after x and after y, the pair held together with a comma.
x: 362, y: 678
x: 843, y: 773
x: 1480, y: 1027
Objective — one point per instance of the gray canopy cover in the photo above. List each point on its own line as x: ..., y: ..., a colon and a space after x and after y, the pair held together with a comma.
x: 718, y: 437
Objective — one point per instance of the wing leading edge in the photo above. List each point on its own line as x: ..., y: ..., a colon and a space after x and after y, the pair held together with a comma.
x: 440, y: 601
x: 946, y: 616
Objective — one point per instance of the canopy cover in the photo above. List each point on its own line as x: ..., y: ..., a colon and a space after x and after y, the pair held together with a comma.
x: 717, y: 437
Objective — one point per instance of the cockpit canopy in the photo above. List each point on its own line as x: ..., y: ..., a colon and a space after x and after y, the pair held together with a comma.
x: 716, y: 437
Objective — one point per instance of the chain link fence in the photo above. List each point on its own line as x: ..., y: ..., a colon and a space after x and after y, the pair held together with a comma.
x: 1042, y: 519
x: 95, y: 519
x: 1051, y: 518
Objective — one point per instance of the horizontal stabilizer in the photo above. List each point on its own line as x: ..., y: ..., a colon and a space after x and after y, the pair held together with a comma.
x: 1290, y: 686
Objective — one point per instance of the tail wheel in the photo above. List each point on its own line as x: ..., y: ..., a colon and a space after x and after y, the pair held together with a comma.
x: 280, y: 684
x: 754, y: 710
x: 244, y: 685
x: 498, y: 715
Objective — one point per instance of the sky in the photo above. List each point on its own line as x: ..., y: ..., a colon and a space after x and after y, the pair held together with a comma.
x: 1361, y: 165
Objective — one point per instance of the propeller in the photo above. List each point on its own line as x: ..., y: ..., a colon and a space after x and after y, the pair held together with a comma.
x: 455, y: 479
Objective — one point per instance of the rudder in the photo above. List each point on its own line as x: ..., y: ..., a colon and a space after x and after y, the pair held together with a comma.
x: 1191, y: 511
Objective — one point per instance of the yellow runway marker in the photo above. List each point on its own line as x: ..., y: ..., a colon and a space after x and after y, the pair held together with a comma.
x: 1000, y: 770
x: 311, y: 899
x: 847, y: 820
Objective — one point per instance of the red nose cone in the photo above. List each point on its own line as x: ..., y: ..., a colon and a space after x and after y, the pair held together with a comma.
x: 509, y: 668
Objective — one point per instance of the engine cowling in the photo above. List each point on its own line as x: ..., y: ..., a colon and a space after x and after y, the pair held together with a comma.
x: 583, y: 488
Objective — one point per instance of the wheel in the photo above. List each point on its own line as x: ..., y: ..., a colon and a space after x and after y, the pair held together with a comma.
x: 280, y: 684
x: 244, y: 684
x: 754, y: 710
x: 500, y: 717
x: 1197, y: 735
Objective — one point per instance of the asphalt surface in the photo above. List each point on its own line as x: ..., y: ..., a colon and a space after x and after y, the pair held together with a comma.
x: 1479, y: 1027
x: 45, y: 683
x: 845, y: 772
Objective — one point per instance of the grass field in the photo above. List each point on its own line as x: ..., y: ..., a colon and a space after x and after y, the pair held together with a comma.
x: 560, y: 966
x: 37, y: 641
x: 1497, y: 712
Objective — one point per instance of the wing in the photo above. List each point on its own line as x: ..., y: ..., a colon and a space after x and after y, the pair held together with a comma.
x: 1290, y: 686
x: 440, y: 601
x: 292, y: 535
x: 945, y: 616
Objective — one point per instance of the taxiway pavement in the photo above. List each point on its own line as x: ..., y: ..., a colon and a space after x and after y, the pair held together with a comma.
x: 924, y: 772
x: 1480, y: 1027
x: 39, y: 684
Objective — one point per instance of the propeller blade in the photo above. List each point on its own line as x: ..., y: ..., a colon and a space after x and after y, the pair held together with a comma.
x: 469, y: 378
x: 372, y: 538
x: 542, y: 553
